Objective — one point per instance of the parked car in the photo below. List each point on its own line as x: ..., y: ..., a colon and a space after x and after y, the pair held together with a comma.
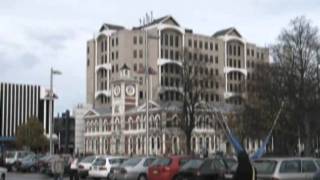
x: 133, y: 169
x: 102, y: 165
x: 13, y: 156
x: 43, y: 163
x: 84, y: 166
x: 28, y: 163
x: 166, y: 168
x: 286, y: 168
x: 214, y: 168
x: 3, y: 173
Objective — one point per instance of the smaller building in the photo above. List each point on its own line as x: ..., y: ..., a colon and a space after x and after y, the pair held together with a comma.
x: 64, y: 127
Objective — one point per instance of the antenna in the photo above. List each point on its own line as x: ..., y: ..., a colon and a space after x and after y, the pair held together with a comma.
x: 151, y: 16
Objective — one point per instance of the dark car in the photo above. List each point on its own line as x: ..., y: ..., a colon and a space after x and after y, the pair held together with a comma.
x: 205, y: 169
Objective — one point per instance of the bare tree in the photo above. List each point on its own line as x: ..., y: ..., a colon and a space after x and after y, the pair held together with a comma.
x: 196, y: 83
x: 292, y: 77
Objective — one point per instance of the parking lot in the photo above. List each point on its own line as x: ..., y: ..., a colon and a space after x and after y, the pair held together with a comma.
x: 28, y: 176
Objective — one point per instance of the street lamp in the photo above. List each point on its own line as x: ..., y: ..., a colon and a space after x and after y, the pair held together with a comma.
x: 52, y: 73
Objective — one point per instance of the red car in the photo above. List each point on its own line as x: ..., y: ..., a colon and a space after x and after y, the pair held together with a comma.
x: 166, y: 168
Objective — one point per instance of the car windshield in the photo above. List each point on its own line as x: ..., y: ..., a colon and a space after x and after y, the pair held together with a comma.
x: 28, y: 157
x: 131, y: 162
x: 88, y: 159
x: 192, y: 164
x: 10, y: 154
x: 99, y: 162
x: 265, y: 166
x: 161, y: 162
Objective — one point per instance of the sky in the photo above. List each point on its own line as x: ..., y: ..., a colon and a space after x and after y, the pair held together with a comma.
x: 36, y: 35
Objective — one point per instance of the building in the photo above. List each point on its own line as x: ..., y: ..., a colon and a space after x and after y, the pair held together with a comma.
x: 78, y: 112
x: 19, y: 102
x: 116, y: 86
x: 64, y: 127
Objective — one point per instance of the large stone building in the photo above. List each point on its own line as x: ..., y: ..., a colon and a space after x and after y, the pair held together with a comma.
x: 116, y: 85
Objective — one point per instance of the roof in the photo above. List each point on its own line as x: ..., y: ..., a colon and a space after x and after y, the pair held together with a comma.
x: 124, y: 66
x: 226, y: 31
x: 110, y: 26
x: 157, y: 21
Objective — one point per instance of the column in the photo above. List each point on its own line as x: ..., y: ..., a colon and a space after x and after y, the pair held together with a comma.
x: 163, y: 143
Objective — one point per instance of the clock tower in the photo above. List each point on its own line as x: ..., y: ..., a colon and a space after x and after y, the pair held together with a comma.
x: 124, y: 92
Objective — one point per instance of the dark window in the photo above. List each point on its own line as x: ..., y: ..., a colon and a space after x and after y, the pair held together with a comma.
x: 252, y: 52
x: 291, y: 166
x: 171, y: 40
x: 134, y: 67
x: 217, y: 60
x: 102, y: 46
x: 177, y: 55
x: 141, y: 94
x: 217, y: 85
x: 308, y: 166
x: 134, y: 53
x: 177, y: 41
x: 216, y: 47
x: 211, y: 46
x: 166, y: 39
x: 88, y: 50
x: 112, y: 42
x: 117, y: 42
x: 140, y: 53
x: 140, y: 40
x: 117, y: 55
x: 112, y: 56
x: 166, y: 54
x: 134, y: 39
x: 190, y: 42
x: 239, y: 51
x: 248, y: 52
x: 200, y: 44
x: 171, y: 54
x: 211, y: 59
x: 206, y: 45
x: 217, y: 72
x: 88, y: 62
x: 239, y: 64
x: 195, y: 44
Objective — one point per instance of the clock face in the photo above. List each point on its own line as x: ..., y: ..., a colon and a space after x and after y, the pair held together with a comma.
x: 130, y: 90
x: 116, y: 91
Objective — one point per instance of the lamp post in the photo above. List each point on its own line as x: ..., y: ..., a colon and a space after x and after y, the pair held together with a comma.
x: 52, y: 73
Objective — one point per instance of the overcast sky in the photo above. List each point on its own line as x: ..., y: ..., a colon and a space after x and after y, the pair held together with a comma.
x: 38, y: 34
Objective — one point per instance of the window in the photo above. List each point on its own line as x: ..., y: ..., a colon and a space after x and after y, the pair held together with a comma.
x: 262, y: 56
x: 201, y: 57
x: 166, y: 39
x: 308, y: 166
x: 112, y: 42
x: 140, y: 40
x: 88, y: 62
x: 117, y: 55
x: 211, y: 59
x: 206, y: 45
x: 291, y: 166
x: 134, y: 67
x: 88, y: 50
x: 195, y: 44
x: 140, y: 53
x: 248, y: 52
x: 200, y: 44
x: 190, y: 43
x: 239, y: 51
x: 211, y: 46
x: 216, y: 47
x: 217, y: 60
x: 195, y: 57
x: 230, y: 50
x: 134, y: 39
x: 112, y: 55
x: 217, y: 98
x: 102, y: 46
x: 239, y: 64
x: 141, y: 94
x: 171, y: 54
x: 217, y: 72
x: 252, y: 52
x: 117, y: 68
x: 217, y: 85
x: 134, y: 54
x: 102, y: 59
x: 177, y: 41
x: 177, y: 55
x: 171, y: 40
x: 117, y: 42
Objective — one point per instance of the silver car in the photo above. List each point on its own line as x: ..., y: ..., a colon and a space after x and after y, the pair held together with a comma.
x: 293, y: 168
x: 133, y: 169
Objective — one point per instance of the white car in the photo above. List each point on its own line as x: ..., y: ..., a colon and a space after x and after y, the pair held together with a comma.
x: 13, y: 156
x: 3, y: 173
x: 84, y: 166
x: 102, y: 165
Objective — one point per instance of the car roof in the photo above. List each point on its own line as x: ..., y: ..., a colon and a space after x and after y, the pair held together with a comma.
x: 286, y: 158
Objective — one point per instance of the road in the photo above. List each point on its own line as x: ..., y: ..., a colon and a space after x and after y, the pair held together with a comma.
x: 28, y: 176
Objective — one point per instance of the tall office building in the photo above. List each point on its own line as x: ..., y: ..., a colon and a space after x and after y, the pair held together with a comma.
x: 116, y: 86
x: 18, y: 103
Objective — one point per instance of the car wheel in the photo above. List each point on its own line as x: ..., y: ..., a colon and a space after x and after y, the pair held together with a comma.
x: 3, y: 177
x: 142, y: 177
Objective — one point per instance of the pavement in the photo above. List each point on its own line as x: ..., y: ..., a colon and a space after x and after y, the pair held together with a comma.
x: 28, y: 176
